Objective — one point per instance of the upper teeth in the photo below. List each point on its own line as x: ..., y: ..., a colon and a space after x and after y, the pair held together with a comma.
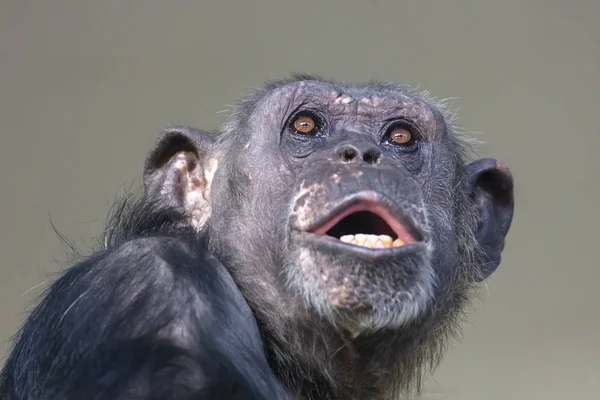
x: 372, y: 241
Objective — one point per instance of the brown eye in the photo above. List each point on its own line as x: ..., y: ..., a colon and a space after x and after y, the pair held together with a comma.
x: 305, y: 126
x: 400, y: 136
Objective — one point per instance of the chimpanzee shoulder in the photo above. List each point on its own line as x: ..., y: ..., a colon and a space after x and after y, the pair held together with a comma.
x: 117, y: 325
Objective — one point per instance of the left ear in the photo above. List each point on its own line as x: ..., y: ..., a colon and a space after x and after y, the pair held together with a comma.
x: 491, y: 187
x: 179, y: 171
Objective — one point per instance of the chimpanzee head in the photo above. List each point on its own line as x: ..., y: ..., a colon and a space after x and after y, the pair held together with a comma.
x: 353, y: 204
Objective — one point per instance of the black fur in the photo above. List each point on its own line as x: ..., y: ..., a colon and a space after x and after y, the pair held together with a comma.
x: 213, y: 284
x: 102, y: 329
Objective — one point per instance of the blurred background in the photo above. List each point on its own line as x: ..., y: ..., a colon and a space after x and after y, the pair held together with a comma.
x: 85, y: 86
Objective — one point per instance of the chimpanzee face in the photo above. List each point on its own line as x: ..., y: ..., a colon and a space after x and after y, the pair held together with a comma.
x: 353, y: 200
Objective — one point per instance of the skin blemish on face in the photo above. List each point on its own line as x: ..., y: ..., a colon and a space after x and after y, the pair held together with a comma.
x: 365, y: 100
x: 371, y: 101
x: 306, y: 203
x: 377, y: 101
x: 344, y: 99
x: 300, y: 201
x: 368, y: 101
x: 301, y: 196
x: 357, y: 174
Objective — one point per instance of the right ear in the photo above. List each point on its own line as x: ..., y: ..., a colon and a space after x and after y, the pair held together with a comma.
x: 179, y: 170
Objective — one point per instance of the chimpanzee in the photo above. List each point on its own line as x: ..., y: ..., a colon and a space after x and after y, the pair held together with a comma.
x: 321, y: 245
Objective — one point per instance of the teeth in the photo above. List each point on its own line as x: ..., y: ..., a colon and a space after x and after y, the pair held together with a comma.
x: 360, y: 239
x: 372, y: 241
x: 386, y: 241
x: 347, y: 238
x: 398, y: 243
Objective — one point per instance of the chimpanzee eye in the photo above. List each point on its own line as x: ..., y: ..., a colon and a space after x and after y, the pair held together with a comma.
x: 305, y: 125
x: 401, y: 135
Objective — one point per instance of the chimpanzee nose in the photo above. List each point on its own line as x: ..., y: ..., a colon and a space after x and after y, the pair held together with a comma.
x: 367, y: 153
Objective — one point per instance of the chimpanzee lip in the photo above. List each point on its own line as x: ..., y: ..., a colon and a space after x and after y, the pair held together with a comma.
x: 400, y: 223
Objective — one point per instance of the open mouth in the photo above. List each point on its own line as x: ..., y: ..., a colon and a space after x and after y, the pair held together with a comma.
x: 375, y: 231
x: 367, y: 221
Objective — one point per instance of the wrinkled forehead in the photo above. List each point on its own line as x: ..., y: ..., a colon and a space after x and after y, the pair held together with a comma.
x: 375, y: 101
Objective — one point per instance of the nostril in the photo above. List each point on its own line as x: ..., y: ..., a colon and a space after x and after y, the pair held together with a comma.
x: 372, y: 157
x: 347, y: 154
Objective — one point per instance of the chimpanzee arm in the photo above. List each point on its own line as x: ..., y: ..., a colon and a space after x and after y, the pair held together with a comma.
x: 150, y: 319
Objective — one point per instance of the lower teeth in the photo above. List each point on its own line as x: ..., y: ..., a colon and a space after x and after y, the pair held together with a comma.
x: 372, y: 241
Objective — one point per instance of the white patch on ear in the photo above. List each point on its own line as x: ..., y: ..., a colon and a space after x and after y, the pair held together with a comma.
x: 186, y: 182
x: 197, y: 199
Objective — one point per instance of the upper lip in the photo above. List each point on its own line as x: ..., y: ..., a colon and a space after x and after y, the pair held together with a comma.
x: 400, y: 222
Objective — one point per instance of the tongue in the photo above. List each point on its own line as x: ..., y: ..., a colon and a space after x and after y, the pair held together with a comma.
x: 372, y: 241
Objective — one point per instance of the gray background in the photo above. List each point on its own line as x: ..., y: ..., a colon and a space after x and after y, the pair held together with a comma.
x: 85, y: 86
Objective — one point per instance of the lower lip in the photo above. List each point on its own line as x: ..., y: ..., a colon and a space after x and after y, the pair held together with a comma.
x: 336, y: 243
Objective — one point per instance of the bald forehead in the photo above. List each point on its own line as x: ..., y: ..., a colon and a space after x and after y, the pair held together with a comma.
x: 369, y: 101
x: 333, y: 94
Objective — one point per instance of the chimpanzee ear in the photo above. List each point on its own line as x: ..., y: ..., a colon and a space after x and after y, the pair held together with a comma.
x: 179, y: 170
x: 491, y: 186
